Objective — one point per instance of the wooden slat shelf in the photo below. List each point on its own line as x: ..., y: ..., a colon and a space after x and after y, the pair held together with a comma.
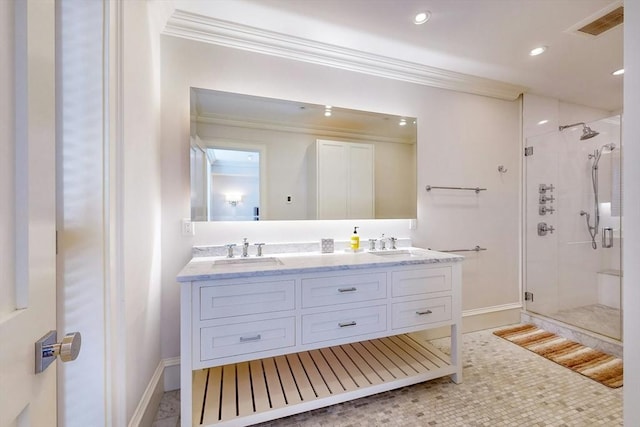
x: 270, y: 388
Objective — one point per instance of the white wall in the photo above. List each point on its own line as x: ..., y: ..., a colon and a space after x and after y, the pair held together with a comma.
x: 462, y: 139
x: 141, y: 208
x: 631, y: 197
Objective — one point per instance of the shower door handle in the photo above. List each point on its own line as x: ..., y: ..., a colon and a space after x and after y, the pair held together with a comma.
x: 607, y: 237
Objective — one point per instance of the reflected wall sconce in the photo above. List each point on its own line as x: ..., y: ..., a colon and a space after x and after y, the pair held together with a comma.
x: 233, y: 199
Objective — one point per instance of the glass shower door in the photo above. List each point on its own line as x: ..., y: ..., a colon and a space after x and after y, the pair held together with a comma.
x: 573, y: 262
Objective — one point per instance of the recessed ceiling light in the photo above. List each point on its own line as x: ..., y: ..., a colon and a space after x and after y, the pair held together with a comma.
x: 421, y: 17
x: 543, y: 122
x: 537, y: 51
x: 618, y: 72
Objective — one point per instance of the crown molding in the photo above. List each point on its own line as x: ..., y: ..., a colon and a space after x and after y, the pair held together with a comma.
x: 224, y: 33
x: 320, y: 131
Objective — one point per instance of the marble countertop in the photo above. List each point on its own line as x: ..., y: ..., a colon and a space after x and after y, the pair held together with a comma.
x: 207, y: 268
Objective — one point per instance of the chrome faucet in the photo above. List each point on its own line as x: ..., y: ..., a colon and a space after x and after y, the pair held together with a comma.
x: 245, y: 248
x: 372, y: 244
x: 259, y: 248
x: 392, y: 242
x: 230, y: 247
x: 383, y: 243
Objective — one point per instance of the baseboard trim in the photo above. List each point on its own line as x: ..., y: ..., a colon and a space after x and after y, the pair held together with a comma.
x: 172, y: 374
x: 146, y: 410
x: 492, y: 309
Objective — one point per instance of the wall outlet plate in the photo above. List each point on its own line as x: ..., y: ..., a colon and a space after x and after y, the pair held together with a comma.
x: 188, y: 227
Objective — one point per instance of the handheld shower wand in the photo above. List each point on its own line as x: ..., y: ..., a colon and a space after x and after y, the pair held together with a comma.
x: 593, y: 229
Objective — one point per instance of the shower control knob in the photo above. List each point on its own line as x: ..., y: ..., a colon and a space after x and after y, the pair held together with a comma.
x: 545, y: 199
x: 543, y: 229
x: 542, y: 210
x: 542, y: 188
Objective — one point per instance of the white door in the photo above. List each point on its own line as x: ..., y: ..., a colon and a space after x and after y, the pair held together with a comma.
x: 27, y: 210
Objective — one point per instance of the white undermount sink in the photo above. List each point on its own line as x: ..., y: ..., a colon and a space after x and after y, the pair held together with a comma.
x: 398, y: 252
x: 232, y: 262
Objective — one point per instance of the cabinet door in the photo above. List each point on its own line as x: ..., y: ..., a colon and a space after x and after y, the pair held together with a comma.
x: 361, y: 182
x: 345, y: 180
x: 332, y: 180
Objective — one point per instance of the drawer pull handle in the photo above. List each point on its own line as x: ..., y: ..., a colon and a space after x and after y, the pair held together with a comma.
x: 248, y: 339
x: 352, y: 289
x: 345, y: 324
x: 420, y: 313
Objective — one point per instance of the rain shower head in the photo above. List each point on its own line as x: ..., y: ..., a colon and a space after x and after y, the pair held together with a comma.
x: 587, y: 132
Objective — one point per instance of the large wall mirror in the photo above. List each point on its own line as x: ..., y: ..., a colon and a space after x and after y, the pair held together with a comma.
x: 255, y: 158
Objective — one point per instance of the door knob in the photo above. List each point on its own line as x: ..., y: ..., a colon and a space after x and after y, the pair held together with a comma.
x: 47, y: 349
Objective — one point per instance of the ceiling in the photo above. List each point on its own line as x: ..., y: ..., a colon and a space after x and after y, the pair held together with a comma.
x: 484, y: 38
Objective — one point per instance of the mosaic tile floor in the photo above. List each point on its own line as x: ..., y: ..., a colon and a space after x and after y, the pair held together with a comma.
x: 504, y: 385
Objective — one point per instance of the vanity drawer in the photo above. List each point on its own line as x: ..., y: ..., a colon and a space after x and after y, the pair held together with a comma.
x: 248, y: 337
x: 343, y: 323
x: 420, y: 281
x: 330, y: 290
x: 420, y: 312
x: 246, y: 298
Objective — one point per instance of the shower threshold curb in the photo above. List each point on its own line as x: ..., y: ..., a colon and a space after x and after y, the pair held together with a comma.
x: 583, y: 336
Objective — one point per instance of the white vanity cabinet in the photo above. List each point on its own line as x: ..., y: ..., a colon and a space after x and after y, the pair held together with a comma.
x: 257, y: 346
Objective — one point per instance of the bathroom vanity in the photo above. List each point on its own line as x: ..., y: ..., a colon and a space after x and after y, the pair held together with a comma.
x: 267, y: 337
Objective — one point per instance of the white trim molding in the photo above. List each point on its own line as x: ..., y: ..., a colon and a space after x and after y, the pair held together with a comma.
x: 238, y: 36
x: 492, y: 309
x: 150, y: 401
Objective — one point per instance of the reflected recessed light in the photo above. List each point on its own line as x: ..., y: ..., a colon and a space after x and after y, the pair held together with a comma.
x: 542, y: 122
x: 403, y: 122
x: 422, y: 17
x: 327, y: 113
x: 618, y: 72
x: 537, y: 51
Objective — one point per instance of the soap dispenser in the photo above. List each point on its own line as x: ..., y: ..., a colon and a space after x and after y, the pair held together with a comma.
x: 355, y: 239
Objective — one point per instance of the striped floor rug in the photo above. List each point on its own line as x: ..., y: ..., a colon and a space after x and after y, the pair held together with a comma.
x: 594, y: 364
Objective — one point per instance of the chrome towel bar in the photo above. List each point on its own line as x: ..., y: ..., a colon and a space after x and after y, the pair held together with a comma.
x: 476, y: 249
x: 476, y: 189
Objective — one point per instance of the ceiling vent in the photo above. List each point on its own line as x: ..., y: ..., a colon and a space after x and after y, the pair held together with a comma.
x: 604, y: 23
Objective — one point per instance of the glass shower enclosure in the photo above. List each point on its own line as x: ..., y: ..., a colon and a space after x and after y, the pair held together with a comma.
x: 573, y: 228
